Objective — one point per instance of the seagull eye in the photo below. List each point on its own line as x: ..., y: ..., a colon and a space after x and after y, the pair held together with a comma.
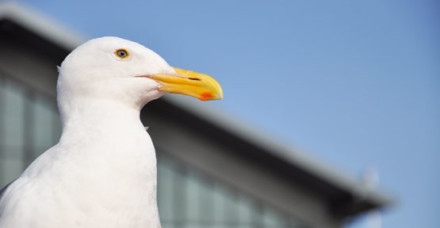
x: 122, y: 53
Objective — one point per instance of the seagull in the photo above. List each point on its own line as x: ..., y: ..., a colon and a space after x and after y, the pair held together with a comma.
x: 102, y: 172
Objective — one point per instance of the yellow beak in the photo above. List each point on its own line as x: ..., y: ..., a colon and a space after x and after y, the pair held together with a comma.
x: 190, y: 83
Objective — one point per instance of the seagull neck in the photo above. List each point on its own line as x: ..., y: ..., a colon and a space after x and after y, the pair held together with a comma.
x: 90, y: 114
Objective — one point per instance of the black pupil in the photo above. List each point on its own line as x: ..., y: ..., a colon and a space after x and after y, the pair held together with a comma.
x: 122, y: 53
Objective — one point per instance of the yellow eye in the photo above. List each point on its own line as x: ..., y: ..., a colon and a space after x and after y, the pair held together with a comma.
x: 122, y: 53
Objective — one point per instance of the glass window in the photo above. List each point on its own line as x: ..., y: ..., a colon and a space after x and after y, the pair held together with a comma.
x: 29, y: 125
x: 188, y: 199
x: 11, y: 169
x: 45, y: 130
x: 13, y: 103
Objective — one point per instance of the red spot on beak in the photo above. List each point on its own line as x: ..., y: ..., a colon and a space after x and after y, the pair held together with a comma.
x: 206, y: 96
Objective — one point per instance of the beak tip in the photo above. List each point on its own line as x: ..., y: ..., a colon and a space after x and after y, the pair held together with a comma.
x: 207, y: 96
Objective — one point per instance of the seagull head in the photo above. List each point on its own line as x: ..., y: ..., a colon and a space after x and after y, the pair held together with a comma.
x: 125, y: 71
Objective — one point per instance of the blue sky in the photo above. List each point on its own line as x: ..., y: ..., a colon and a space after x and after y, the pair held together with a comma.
x: 353, y: 83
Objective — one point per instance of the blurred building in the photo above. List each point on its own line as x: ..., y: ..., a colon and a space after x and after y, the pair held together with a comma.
x: 212, y: 170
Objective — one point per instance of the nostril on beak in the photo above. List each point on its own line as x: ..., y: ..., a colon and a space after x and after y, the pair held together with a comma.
x: 194, y: 79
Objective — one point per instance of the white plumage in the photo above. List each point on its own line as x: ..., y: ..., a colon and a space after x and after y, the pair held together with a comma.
x: 102, y: 173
